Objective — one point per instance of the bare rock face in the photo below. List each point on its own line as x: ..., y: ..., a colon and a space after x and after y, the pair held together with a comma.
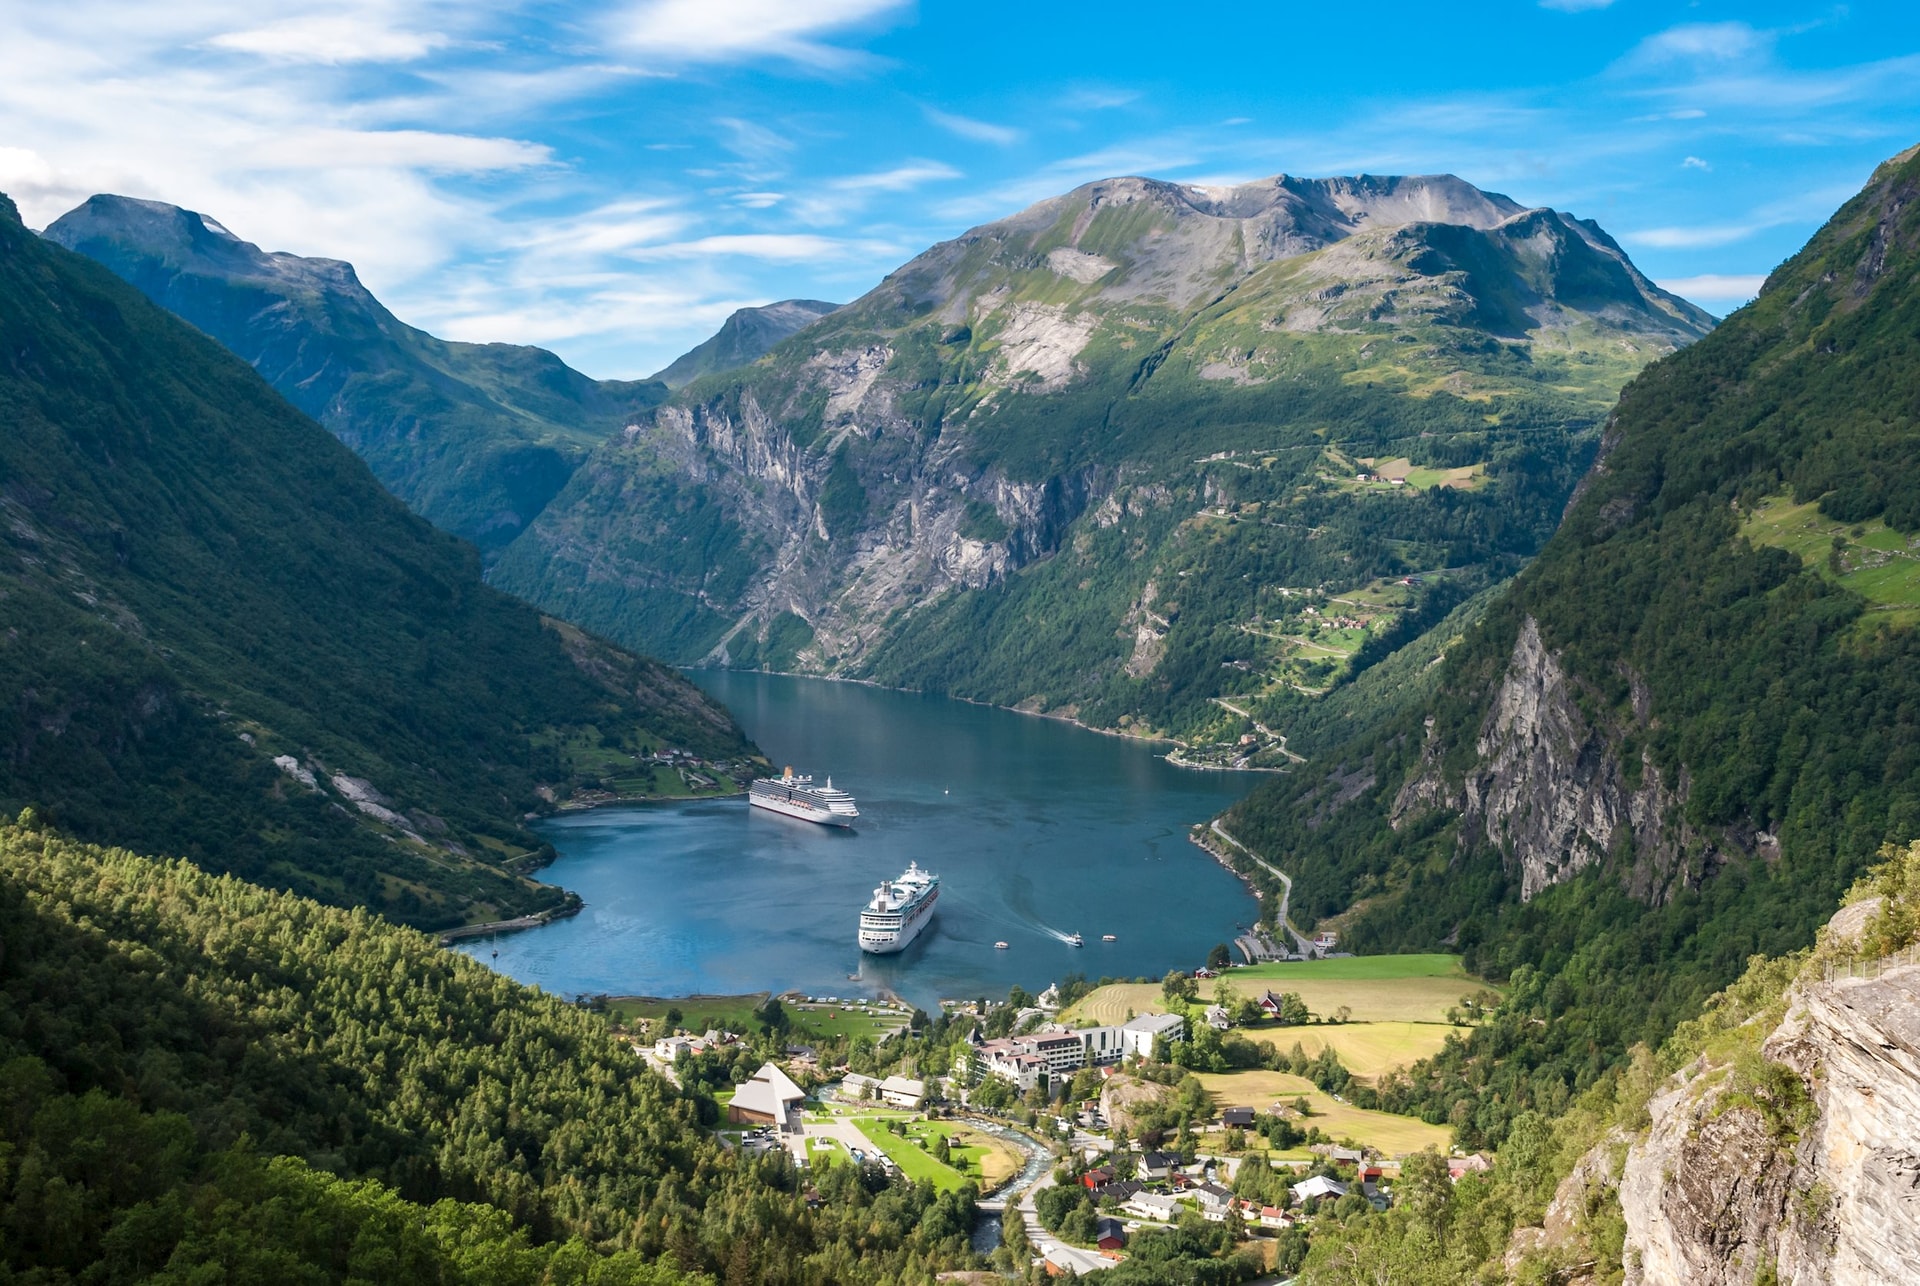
x: 1550, y: 788
x: 1718, y: 1194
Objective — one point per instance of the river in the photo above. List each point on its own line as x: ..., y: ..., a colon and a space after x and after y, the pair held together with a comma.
x: 1037, y: 829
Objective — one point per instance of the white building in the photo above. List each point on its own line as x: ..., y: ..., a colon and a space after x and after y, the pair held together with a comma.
x: 856, y: 1088
x: 1139, y: 1032
x: 902, y: 1092
x: 1152, y: 1205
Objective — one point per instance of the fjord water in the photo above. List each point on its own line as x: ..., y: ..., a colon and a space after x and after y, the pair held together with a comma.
x: 1037, y: 829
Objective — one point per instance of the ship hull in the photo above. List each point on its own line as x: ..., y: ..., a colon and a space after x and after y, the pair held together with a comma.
x: 805, y: 812
x: 892, y: 942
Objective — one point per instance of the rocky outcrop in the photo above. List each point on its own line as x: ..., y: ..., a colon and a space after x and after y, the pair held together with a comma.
x: 1550, y: 787
x: 1725, y: 1192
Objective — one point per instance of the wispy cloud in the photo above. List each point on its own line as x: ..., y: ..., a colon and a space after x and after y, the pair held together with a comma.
x: 792, y: 247
x: 901, y: 178
x: 977, y: 131
x: 332, y: 38
x: 721, y: 31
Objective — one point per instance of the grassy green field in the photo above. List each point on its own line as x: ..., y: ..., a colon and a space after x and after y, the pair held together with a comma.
x: 1393, y: 1135
x: 1375, y: 989
x: 735, y: 1013
x: 1877, y: 563
x: 980, y: 1158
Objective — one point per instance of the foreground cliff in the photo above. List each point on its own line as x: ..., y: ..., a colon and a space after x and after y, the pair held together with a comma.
x: 1136, y: 448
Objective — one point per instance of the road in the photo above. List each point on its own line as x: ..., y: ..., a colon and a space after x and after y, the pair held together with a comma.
x: 1307, y: 949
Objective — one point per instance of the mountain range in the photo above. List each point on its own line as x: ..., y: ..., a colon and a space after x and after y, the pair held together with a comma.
x: 475, y: 437
x: 1116, y: 456
x: 227, y: 642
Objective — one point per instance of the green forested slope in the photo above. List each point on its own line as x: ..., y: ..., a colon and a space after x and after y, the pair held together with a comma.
x: 164, y: 1034
x: 476, y: 437
x: 1134, y: 449
x: 1761, y: 707
x: 196, y: 579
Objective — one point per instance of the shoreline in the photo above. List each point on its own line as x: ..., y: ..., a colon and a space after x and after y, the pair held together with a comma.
x: 1196, y: 836
x: 1169, y: 758
x: 538, y: 919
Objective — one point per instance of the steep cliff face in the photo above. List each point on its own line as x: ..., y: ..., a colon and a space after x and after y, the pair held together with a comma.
x: 1551, y: 790
x: 1724, y: 1191
x: 1009, y: 437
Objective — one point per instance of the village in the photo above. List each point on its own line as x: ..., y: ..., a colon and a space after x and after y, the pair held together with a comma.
x: 1081, y: 1134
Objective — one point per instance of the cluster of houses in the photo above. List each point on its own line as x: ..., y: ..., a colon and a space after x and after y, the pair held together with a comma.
x: 669, y: 1048
x: 1039, y: 1057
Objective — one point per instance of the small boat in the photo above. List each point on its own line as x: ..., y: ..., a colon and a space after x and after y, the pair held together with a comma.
x: 1107, y: 937
x: 999, y: 946
x: 1075, y: 940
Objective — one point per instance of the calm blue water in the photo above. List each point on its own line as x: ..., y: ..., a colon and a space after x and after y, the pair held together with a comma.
x: 1036, y: 828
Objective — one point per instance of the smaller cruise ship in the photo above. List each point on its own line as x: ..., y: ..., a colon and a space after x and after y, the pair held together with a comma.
x: 899, y: 912
x: 796, y: 796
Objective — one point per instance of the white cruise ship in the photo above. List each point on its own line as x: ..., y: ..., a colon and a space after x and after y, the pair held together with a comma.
x: 799, y: 797
x: 899, y: 911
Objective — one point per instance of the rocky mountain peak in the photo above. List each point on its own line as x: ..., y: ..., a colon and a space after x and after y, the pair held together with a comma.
x: 131, y: 236
x: 744, y: 337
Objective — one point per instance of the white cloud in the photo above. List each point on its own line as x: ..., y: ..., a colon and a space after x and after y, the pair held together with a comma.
x: 1691, y: 238
x: 1701, y: 42
x: 777, y: 247
x: 1694, y: 163
x: 1097, y: 98
x: 331, y: 38
x: 710, y: 31
x: 1711, y: 290
x: 977, y: 131
x: 901, y: 178
x: 329, y: 149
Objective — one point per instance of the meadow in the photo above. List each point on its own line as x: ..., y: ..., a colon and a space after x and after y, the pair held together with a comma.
x: 1399, y: 989
x: 1874, y: 561
x: 1264, y: 1091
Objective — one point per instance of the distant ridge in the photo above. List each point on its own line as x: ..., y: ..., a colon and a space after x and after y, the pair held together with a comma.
x: 475, y: 437
x: 744, y: 337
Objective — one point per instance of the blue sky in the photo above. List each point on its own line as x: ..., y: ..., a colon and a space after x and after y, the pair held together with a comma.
x: 611, y: 179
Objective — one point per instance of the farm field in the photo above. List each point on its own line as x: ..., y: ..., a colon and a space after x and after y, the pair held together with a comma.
x: 1365, y: 1049
x: 1392, y: 1135
x: 1376, y: 989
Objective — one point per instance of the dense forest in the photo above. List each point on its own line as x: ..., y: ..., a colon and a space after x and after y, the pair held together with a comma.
x: 1780, y: 690
x: 205, y: 1080
x: 196, y: 581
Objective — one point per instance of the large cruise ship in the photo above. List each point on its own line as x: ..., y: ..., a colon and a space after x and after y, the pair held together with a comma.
x: 899, y: 911
x: 799, y: 797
